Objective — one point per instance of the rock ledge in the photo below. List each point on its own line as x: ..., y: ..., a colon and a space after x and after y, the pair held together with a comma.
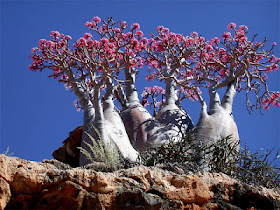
x: 33, y: 185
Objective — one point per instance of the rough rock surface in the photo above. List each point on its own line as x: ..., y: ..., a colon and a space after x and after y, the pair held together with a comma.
x: 69, y: 153
x: 33, y: 185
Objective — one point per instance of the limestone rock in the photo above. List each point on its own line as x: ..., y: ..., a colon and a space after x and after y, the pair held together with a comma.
x: 33, y: 185
x: 69, y: 153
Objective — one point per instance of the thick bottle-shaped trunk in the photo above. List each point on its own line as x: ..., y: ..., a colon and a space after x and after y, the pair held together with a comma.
x: 115, y: 128
x: 141, y: 127
x: 215, y: 125
x: 135, y: 117
x: 218, y: 122
x: 89, y: 118
x: 93, y: 119
x: 171, y: 115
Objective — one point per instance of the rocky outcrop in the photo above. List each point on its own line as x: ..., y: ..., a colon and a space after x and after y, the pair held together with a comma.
x: 54, y: 185
x: 68, y: 152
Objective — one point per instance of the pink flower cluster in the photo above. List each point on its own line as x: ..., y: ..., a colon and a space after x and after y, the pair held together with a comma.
x: 156, y: 96
x: 55, y: 34
x: 231, y: 26
x: 191, y: 60
x: 153, y: 90
x: 93, y: 23
x: 272, y: 99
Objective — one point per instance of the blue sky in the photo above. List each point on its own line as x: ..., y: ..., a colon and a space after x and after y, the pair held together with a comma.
x: 37, y: 112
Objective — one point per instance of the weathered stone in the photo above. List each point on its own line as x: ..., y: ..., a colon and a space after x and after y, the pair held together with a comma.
x: 33, y: 185
x: 69, y: 153
x: 5, y: 193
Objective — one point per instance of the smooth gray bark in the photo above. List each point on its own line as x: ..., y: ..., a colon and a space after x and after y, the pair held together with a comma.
x: 135, y: 116
x: 171, y: 115
x: 115, y: 128
x: 99, y: 121
x: 141, y: 127
x: 218, y: 122
x: 89, y: 118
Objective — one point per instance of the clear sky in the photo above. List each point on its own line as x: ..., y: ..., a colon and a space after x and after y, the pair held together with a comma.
x: 37, y: 112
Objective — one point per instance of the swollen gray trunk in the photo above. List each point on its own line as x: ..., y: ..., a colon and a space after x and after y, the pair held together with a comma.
x: 218, y: 122
x: 175, y: 118
x: 89, y: 117
x: 141, y: 127
x: 115, y: 128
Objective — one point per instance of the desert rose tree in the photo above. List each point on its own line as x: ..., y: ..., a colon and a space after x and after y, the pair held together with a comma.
x: 233, y: 62
x: 96, y: 69
x: 104, y: 67
x: 164, y: 55
x: 91, y: 69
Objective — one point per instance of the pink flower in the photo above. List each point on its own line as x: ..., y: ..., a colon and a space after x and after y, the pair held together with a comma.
x: 61, y: 44
x: 274, y: 66
x: 130, y: 52
x: 117, y: 30
x: 231, y: 26
x: 240, y: 35
x: 135, y: 26
x: 33, y: 50
x: 134, y: 41
x: 51, y: 44
x: 42, y: 42
x: 88, y: 24
x: 160, y: 28
x: 67, y: 37
x: 179, y: 37
x: 194, y: 34
x: 128, y: 35
x: 271, y: 67
x: 240, y: 32
x: 201, y: 39
x: 274, y: 43
x: 90, y: 43
x: 272, y: 99
x: 144, y: 40
x: 96, y: 43
x: 123, y: 24
x: 139, y: 33
x: 225, y: 57
x: 158, y: 90
x: 150, y: 77
x: 214, y: 40
x: 55, y: 34
x: 209, y: 47
x: 243, y: 27
x: 159, y: 46
x: 226, y: 35
x: 87, y: 35
x: 96, y: 19
x: 189, y: 41
x: 166, y: 30
x: 154, y: 63
x: 104, y: 40
x: 81, y: 42
x: 140, y: 62
x: 148, y: 89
